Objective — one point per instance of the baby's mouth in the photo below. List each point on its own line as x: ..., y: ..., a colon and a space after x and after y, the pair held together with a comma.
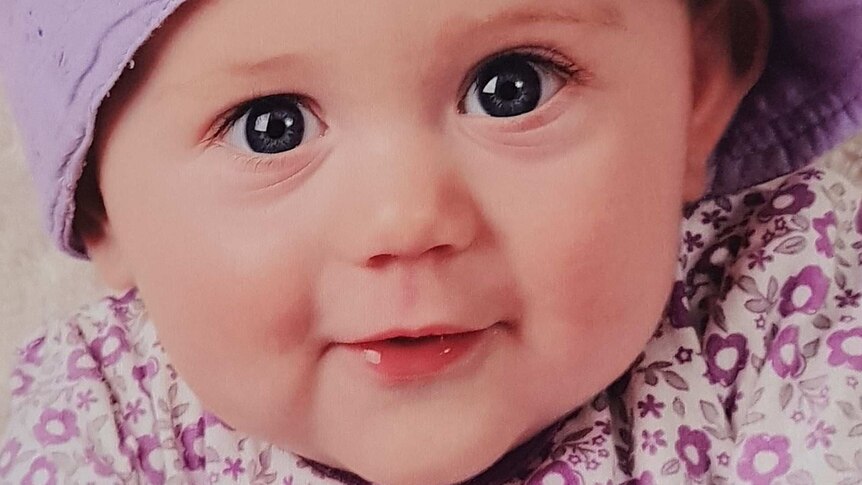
x: 407, y: 358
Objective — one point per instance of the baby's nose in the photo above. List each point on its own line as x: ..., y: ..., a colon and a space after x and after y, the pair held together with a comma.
x: 411, y: 201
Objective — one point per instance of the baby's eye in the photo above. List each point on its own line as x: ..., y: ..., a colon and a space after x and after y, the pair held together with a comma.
x: 273, y: 124
x: 512, y: 84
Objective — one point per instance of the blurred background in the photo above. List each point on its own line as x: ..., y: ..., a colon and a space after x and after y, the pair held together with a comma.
x: 37, y: 282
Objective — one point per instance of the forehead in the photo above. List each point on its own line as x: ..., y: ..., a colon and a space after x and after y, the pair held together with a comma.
x: 250, y: 34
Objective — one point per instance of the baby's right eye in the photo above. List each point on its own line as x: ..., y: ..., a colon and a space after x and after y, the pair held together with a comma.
x: 272, y: 124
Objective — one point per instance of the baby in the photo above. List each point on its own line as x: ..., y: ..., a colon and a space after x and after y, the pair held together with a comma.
x: 431, y: 242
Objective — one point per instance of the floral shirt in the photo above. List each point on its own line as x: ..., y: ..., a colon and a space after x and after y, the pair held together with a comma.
x: 752, y: 375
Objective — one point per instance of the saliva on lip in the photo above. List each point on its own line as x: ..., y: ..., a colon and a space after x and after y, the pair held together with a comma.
x: 374, y: 357
x: 371, y: 356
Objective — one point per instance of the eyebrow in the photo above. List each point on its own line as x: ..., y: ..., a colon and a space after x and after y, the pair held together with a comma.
x: 604, y: 14
x: 242, y: 68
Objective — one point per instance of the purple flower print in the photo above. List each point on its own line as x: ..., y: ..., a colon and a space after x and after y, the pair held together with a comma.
x: 846, y: 348
x: 653, y: 441
x: 692, y: 241
x: 650, y: 406
x: 120, y: 306
x: 24, y: 381
x: 85, y: 399
x: 759, y: 259
x: 8, y: 455
x: 45, y: 470
x: 683, y: 355
x: 109, y: 348
x: 81, y: 365
x: 134, y: 411
x: 556, y: 472
x: 714, y: 217
x: 56, y: 427
x: 824, y: 243
x: 143, y: 373
x: 725, y: 357
x: 788, y: 201
x: 764, y: 458
x: 192, y: 439
x: 233, y: 468
x: 30, y: 354
x: 692, y: 447
x: 820, y: 434
x: 849, y: 298
x: 120, y: 310
x: 149, y: 459
x: 785, y: 355
x: 804, y: 293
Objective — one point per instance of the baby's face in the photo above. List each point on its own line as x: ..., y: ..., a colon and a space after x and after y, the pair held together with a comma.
x: 283, y: 179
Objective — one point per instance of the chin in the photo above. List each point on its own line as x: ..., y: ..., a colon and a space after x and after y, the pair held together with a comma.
x: 430, y: 459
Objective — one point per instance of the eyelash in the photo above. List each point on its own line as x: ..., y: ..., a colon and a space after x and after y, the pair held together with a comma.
x: 228, y: 119
x: 544, y: 57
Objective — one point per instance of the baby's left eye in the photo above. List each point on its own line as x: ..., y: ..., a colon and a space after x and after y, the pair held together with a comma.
x: 512, y: 84
x: 273, y: 124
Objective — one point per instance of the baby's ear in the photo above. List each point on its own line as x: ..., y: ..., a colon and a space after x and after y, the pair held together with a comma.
x: 92, y: 225
x: 730, y: 40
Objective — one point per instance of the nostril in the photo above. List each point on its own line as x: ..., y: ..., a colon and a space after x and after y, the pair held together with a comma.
x: 379, y: 260
x: 441, y: 250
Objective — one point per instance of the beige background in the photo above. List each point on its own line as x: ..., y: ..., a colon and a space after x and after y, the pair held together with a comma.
x: 36, y: 281
x: 39, y: 283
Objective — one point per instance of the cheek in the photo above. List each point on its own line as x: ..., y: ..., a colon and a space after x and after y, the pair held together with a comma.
x: 592, y: 234
x: 224, y: 287
x: 594, y: 271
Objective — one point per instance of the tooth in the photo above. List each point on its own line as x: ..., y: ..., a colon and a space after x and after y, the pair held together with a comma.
x: 371, y: 356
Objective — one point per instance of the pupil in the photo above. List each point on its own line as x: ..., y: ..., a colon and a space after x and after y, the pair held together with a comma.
x: 509, y: 91
x: 276, y: 129
x: 510, y: 86
x: 274, y: 125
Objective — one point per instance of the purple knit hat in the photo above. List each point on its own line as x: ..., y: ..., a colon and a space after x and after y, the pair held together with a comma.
x: 60, y: 58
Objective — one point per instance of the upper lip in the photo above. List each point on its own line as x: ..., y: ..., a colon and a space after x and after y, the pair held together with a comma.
x: 433, y: 330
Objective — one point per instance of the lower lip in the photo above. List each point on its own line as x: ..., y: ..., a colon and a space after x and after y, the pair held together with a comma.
x: 400, y: 362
